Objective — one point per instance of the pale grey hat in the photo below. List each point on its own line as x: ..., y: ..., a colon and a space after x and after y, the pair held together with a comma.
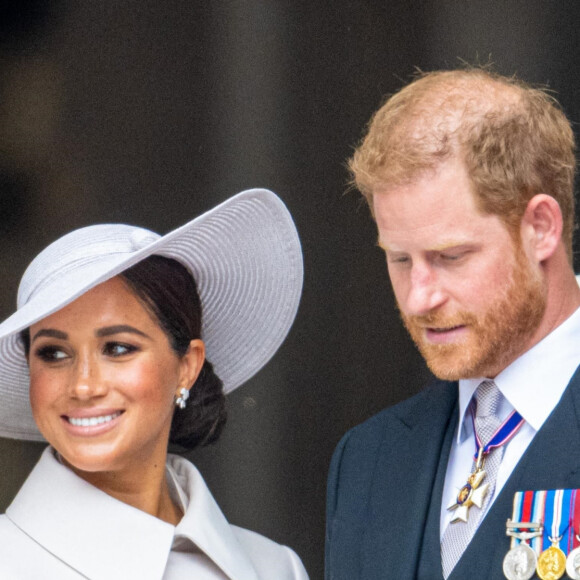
x: 244, y: 255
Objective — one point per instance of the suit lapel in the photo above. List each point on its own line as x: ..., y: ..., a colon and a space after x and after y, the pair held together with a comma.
x: 552, y: 461
x: 403, y: 483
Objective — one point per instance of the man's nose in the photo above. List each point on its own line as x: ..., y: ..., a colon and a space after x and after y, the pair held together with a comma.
x: 425, y: 292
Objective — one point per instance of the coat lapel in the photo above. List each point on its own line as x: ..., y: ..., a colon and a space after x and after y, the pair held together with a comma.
x: 79, y: 524
x: 404, y: 482
x: 104, y: 539
x: 552, y: 461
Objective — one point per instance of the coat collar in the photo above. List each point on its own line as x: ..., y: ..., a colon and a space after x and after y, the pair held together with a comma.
x: 205, y: 524
x: 103, y: 538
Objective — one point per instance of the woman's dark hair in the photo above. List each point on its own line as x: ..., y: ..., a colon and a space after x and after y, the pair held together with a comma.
x: 169, y: 293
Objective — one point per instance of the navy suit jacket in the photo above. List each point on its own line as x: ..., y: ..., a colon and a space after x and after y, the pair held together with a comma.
x: 386, y: 481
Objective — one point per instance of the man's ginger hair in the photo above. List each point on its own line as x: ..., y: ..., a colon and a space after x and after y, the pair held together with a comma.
x: 514, y: 139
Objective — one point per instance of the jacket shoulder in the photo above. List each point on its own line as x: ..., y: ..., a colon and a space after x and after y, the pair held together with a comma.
x: 370, y: 433
x: 271, y: 560
x: 380, y: 444
x: 355, y: 457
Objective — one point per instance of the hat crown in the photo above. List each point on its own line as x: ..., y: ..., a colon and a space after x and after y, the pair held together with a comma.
x: 81, y: 249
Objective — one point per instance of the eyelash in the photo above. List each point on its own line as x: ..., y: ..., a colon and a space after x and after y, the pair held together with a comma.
x: 48, y: 353
x: 127, y: 349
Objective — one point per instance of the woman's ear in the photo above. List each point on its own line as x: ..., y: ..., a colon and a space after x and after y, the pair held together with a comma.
x: 191, y: 363
x: 542, y: 226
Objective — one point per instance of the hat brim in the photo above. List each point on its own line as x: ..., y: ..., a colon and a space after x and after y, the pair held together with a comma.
x: 246, y: 259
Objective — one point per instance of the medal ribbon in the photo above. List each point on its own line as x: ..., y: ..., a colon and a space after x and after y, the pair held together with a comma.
x: 503, y: 434
x: 528, y: 508
x: 538, y: 515
x: 573, y: 517
x: 556, y: 513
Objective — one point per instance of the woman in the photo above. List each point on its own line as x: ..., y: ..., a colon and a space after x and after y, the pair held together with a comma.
x: 105, y: 359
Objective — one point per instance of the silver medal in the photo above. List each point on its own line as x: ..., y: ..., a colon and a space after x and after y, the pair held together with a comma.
x: 573, y: 564
x: 520, y: 563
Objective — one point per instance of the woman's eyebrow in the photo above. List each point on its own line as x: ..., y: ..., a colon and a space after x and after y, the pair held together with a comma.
x: 119, y: 328
x: 51, y: 332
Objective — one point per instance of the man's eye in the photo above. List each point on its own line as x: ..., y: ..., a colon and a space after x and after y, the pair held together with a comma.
x: 51, y: 354
x: 116, y: 349
x: 453, y: 257
x: 398, y: 259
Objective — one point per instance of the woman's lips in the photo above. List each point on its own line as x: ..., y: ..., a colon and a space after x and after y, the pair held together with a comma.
x: 92, y: 421
x: 95, y: 423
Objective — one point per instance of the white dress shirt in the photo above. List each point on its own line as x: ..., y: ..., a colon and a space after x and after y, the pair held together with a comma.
x: 533, y: 385
x: 59, y: 527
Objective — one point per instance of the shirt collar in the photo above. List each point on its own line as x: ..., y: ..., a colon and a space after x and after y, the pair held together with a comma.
x: 531, y: 385
x: 105, y: 539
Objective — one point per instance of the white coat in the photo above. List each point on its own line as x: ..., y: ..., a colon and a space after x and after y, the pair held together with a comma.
x: 60, y: 527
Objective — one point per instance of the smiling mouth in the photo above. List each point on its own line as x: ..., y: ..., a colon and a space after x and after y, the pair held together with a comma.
x: 92, y: 421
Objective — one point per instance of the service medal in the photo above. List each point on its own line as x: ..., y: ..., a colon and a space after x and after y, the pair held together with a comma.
x: 472, y: 493
x: 573, y: 564
x: 551, y: 564
x: 520, y: 563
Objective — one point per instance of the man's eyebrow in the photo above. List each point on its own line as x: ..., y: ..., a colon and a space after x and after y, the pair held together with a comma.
x: 450, y: 245
x: 446, y: 245
x: 119, y: 328
x: 50, y: 332
x: 381, y: 245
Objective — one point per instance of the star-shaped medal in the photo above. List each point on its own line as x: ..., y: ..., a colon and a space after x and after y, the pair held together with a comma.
x: 472, y: 493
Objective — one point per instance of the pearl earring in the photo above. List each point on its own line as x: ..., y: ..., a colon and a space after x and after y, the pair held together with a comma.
x: 181, y: 400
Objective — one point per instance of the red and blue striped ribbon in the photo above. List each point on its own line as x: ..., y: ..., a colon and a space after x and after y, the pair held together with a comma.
x: 503, y: 434
x: 559, y: 512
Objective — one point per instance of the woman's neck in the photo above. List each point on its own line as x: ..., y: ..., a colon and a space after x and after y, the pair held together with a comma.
x: 144, y: 488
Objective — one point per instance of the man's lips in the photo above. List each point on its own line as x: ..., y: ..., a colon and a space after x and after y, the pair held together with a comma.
x: 442, y: 330
x: 445, y: 335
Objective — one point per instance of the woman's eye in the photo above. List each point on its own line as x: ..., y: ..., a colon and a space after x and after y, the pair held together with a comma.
x: 116, y: 349
x: 51, y: 354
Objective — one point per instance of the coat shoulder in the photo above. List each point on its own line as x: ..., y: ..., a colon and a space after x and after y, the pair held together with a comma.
x: 271, y: 560
x: 365, y: 438
x: 355, y: 457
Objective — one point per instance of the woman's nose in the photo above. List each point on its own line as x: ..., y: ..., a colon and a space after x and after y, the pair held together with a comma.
x: 86, y: 381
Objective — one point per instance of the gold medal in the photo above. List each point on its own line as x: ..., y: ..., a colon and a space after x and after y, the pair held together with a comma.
x: 551, y: 564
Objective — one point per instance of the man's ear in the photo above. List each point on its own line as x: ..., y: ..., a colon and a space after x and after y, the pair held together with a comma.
x: 542, y: 226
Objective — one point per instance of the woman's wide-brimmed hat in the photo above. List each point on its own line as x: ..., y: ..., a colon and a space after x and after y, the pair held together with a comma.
x: 244, y: 255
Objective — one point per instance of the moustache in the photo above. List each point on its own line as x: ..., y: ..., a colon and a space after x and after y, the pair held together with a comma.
x: 439, y: 320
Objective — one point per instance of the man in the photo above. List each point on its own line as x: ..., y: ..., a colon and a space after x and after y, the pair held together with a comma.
x: 469, y: 176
